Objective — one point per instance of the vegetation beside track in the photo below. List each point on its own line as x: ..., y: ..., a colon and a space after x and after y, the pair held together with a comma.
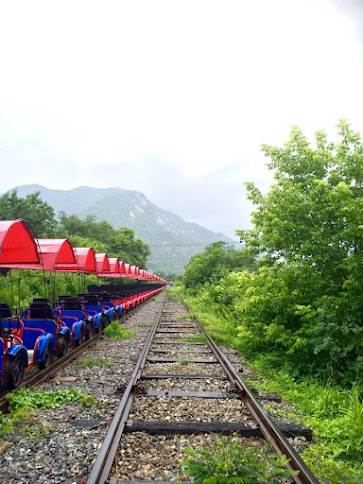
x: 291, y: 300
x: 334, y: 413
x: 23, y: 401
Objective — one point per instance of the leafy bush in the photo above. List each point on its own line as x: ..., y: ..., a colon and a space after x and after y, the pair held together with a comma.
x: 275, y: 311
x: 217, y: 260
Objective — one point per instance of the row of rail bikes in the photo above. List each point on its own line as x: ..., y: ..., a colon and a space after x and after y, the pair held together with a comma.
x: 40, y: 332
x: 124, y: 297
x: 31, y: 337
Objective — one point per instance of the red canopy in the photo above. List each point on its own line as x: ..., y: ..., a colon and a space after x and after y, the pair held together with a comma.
x: 122, y: 269
x: 148, y: 276
x: 86, y: 259
x: 134, y: 272
x: 57, y: 254
x: 85, y: 262
x: 143, y: 275
x: 102, y: 264
x: 114, y: 265
x: 17, y: 244
x: 127, y: 270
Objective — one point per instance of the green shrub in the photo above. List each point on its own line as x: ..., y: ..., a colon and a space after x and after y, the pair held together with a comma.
x: 116, y: 331
x: 232, y: 462
x: 24, y: 399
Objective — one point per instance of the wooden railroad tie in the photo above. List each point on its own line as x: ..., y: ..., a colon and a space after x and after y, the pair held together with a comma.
x: 188, y: 428
x: 147, y: 376
x: 178, y: 360
x: 159, y: 350
x: 173, y: 342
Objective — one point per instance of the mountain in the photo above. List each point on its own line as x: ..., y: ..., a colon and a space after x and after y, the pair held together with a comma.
x: 172, y: 240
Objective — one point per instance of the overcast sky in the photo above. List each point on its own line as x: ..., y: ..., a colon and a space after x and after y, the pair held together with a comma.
x: 172, y: 98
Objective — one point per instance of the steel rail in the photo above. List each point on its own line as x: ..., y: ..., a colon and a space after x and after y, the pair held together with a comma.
x: 104, y: 461
x: 269, y: 429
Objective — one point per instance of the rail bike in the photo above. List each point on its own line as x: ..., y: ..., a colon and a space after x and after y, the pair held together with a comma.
x: 30, y: 337
x: 23, y: 346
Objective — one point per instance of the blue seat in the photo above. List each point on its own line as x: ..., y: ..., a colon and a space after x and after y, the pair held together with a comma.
x: 34, y: 328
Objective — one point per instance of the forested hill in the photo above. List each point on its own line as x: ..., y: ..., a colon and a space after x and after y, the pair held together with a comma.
x: 172, y: 241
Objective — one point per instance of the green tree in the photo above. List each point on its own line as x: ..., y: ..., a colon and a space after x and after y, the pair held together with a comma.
x: 168, y: 276
x: 217, y: 260
x: 87, y: 228
x: 307, y: 298
x: 31, y: 208
x: 128, y: 248
x: 103, y: 237
x: 78, y: 241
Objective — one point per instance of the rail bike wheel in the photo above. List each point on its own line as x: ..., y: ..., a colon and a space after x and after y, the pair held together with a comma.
x: 103, y: 322
x: 47, y: 358
x: 89, y: 330
x: 82, y: 337
x: 61, y: 345
x: 14, y: 368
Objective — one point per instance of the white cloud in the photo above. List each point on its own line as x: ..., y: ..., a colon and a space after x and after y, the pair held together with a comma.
x: 170, y: 98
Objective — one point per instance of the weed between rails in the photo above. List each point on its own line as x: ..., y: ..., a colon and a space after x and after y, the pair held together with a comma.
x: 229, y: 461
x: 116, y: 331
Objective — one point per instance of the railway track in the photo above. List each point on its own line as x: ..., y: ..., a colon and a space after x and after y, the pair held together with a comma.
x: 178, y: 353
